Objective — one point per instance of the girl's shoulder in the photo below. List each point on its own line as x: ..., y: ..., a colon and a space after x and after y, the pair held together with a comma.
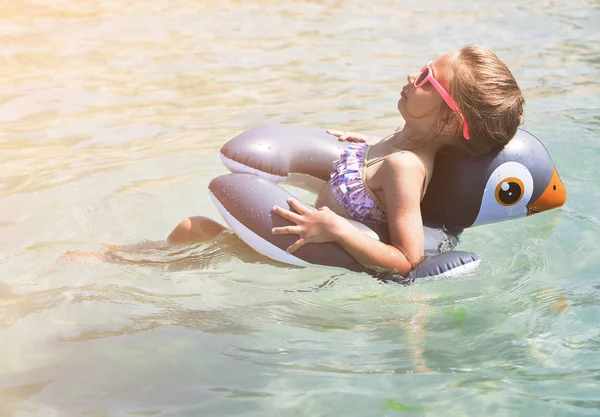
x: 405, y: 167
x: 407, y: 160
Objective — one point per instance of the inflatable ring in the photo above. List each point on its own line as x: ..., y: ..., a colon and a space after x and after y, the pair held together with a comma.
x: 517, y: 181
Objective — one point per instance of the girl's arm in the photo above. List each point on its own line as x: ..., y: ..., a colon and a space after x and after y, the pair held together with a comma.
x: 402, y: 199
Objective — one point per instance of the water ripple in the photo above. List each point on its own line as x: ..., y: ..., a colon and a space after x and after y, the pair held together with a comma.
x: 111, y: 118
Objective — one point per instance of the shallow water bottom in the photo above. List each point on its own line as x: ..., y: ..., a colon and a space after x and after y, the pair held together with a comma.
x: 111, y: 118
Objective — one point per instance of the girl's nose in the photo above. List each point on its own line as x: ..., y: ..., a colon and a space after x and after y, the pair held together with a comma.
x: 411, y: 77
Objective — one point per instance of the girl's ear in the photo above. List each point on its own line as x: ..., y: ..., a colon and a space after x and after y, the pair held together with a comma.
x: 451, y: 124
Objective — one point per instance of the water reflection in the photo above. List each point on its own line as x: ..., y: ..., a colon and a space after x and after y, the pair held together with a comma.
x: 15, y: 398
x: 109, y: 114
x: 227, y: 321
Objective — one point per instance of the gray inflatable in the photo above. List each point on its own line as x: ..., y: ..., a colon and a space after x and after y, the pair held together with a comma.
x: 514, y: 182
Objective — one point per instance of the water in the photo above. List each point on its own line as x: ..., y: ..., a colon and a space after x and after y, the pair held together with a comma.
x: 111, y: 117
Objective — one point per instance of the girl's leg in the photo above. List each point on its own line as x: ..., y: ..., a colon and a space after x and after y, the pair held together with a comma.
x: 192, y: 229
x: 195, y: 229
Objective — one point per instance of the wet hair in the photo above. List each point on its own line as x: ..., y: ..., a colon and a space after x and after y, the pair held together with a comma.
x: 488, y: 96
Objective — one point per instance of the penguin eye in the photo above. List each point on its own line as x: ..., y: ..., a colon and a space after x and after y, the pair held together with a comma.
x: 509, y: 191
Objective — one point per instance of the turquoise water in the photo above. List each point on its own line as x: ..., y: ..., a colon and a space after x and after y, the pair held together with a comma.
x: 111, y: 118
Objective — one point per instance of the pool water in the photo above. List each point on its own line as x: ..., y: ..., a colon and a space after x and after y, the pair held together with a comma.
x: 112, y: 114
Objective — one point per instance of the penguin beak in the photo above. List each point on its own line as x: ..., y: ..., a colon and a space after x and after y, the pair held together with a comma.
x: 554, y: 196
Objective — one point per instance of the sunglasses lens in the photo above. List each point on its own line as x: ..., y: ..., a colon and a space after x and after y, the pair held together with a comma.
x: 422, y: 77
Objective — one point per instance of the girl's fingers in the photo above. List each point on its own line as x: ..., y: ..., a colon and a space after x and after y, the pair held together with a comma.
x: 287, y: 230
x: 341, y: 135
x: 295, y: 204
x: 359, y: 137
x: 352, y: 137
x: 295, y: 246
x: 286, y: 214
x: 347, y: 136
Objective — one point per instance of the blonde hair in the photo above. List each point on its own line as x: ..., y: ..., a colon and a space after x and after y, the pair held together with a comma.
x: 488, y: 96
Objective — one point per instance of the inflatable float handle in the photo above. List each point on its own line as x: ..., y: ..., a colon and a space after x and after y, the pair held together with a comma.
x: 275, y: 151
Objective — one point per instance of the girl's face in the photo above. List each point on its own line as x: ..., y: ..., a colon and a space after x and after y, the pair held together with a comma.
x: 420, y: 107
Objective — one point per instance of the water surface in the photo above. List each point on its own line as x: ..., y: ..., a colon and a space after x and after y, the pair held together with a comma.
x: 111, y: 117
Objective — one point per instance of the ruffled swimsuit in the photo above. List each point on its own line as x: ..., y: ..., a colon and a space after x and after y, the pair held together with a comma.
x: 349, y: 186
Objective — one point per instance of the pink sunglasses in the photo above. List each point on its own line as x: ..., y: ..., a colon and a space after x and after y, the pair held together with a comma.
x: 427, y: 75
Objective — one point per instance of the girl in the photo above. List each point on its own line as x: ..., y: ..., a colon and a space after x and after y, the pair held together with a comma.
x: 467, y: 99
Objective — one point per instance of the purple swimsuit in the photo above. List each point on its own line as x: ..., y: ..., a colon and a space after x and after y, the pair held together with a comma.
x: 349, y: 187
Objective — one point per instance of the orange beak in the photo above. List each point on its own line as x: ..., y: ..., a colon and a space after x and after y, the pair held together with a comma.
x: 554, y: 196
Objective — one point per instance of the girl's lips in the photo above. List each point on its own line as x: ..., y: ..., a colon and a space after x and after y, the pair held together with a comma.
x: 403, y: 95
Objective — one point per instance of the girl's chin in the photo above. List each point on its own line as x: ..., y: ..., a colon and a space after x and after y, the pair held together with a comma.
x: 401, y: 106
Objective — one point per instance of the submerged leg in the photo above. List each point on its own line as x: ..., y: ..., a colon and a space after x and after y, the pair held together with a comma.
x: 192, y: 229
x: 195, y: 229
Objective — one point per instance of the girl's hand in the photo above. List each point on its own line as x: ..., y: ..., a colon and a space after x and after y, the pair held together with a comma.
x: 312, y: 226
x: 348, y: 136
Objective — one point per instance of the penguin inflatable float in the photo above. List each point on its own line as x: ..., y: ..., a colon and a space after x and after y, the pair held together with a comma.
x: 517, y: 181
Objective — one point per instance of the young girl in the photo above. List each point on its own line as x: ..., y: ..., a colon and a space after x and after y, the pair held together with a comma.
x: 468, y: 99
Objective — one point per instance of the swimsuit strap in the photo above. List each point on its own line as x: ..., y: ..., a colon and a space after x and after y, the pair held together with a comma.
x: 379, y: 159
x: 364, y: 176
x: 374, y: 160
